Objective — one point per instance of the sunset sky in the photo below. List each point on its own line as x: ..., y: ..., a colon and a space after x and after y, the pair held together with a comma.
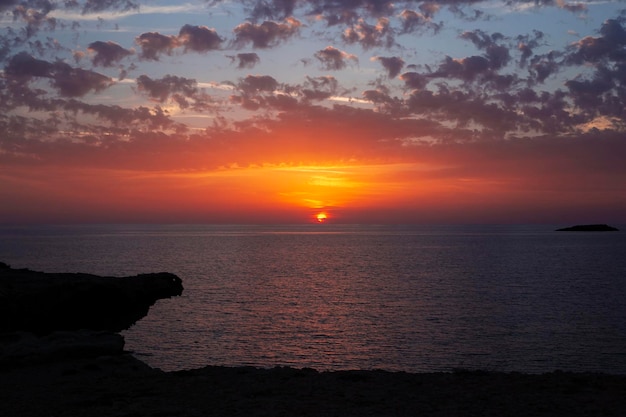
x: 369, y: 111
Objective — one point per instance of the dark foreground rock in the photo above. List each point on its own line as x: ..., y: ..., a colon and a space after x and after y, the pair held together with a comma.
x: 124, y: 386
x: 589, y: 228
x: 42, y: 303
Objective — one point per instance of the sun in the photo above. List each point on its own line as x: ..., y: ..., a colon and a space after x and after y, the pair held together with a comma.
x: 321, y: 217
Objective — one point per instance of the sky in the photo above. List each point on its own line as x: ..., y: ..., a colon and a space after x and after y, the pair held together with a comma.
x: 299, y: 111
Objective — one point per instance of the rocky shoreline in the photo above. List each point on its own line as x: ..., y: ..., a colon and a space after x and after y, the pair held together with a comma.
x: 85, y: 372
x: 122, y: 386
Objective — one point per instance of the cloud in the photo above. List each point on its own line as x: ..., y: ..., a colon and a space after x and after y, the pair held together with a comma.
x: 25, y: 66
x: 35, y: 17
x: 258, y: 83
x: 479, y: 67
x: 414, y: 80
x: 154, y: 44
x: 76, y: 82
x: 267, y: 34
x: 246, y: 60
x: 335, y: 11
x: 319, y: 88
x: 91, y: 6
x: 370, y: 36
x: 70, y: 81
x: 161, y: 89
x: 108, y: 53
x: 199, y: 38
x: 608, y: 46
x: 467, y: 69
x: 393, y: 65
x: 543, y: 66
x: 332, y: 58
x: 413, y: 21
x: 274, y: 9
x: 571, y: 7
x: 192, y: 38
x: 7, y: 4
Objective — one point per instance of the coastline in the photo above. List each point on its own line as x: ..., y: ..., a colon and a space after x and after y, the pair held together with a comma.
x: 63, y: 369
x: 121, y: 385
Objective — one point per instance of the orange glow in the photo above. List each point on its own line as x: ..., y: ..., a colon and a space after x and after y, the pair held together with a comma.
x: 345, y: 192
x: 321, y: 217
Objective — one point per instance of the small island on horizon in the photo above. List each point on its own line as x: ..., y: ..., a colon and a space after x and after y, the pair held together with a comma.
x: 589, y: 228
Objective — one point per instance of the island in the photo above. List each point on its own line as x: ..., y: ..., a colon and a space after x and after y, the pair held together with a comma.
x: 53, y: 363
x: 589, y: 228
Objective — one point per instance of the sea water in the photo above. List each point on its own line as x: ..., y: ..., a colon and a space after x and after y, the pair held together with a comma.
x: 331, y: 297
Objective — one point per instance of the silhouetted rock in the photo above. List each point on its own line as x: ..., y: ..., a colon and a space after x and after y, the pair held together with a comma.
x: 42, y: 303
x: 123, y: 386
x: 589, y: 228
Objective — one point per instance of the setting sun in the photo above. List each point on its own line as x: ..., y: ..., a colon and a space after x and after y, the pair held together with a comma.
x: 321, y: 217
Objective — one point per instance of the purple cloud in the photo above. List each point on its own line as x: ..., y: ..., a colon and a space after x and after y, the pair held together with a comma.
x: 393, y: 65
x: 332, y: 58
x: 267, y: 34
x: 154, y: 44
x: 199, y: 38
x: 107, y: 53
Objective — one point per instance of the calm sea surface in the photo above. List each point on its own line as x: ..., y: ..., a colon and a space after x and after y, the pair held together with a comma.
x: 410, y: 298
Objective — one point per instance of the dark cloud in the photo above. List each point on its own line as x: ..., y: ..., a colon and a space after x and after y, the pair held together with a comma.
x: 35, y: 17
x: 479, y: 67
x: 608, y: 46
x: 267, y: 34
x: 376, y: 96
x: 92, y: 6
x: 414, y: 80
x: 413, y: 21
x: 498, y: 55
x: 199, y: 38
x: 154, y: 44
x: 258, y: 83
x: 70, y: 81
x: 492, y: 116
x: 246, y: 60
x: 108, y: 53
x: 333, y: 11
x: 274, y: 9
x: 543, y: 66
x: 161, y: 89
x: 282, y: 102
x: 25, y: 66
x: 602, y: 95
x: 338, y: 8
x: 332, y: 58
x: 550, y: 113
x: 526, y: 45
x: 7, y: 4
x: 76, y: 82
x: 370, y: 36
x: 319, y: 88
x: 467, y: 69
x: 192, y: 38
x: 393, y: 64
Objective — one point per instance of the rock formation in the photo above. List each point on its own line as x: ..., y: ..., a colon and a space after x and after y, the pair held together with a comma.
x: 47, y: 316
x: 41, y: 302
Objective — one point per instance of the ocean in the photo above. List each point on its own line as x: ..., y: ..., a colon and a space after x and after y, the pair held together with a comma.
x: 333, y: 297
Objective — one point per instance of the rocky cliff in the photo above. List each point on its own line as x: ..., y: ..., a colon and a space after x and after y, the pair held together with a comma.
x: 46, y: 316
